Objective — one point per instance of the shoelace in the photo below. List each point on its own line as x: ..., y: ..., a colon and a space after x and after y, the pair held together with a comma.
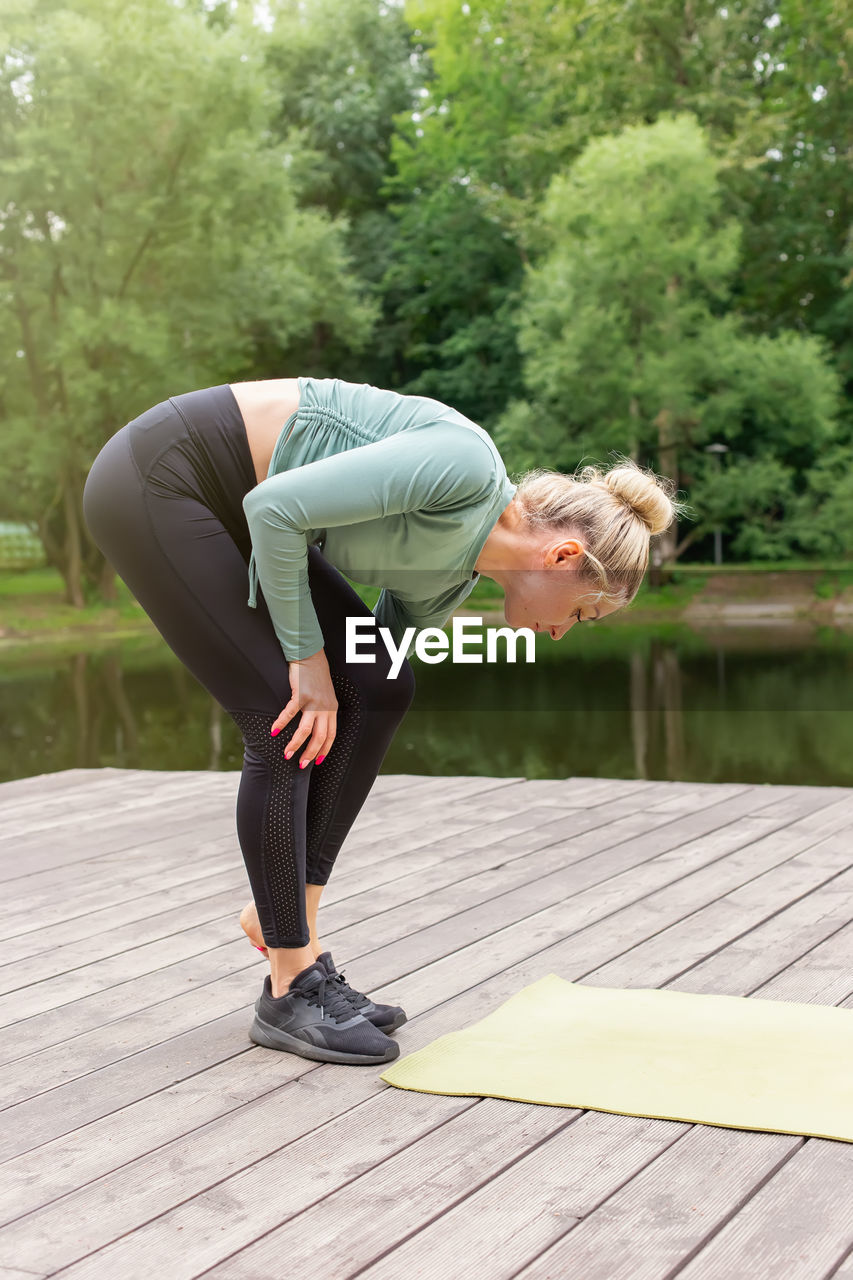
x: 332, y: 1002
x: 356, y: 998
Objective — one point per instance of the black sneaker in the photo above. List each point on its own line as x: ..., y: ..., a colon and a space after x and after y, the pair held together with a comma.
x: 387, y: 1017
x: 317, y: 1021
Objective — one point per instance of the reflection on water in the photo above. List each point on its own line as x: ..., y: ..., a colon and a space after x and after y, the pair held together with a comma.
x: 774, y: 705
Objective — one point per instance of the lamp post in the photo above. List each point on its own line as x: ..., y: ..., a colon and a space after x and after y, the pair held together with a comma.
x: 717, y: 450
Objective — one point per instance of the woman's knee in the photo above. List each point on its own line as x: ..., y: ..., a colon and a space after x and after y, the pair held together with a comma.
x: 255, y: 729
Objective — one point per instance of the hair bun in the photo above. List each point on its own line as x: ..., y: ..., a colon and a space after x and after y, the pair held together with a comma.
x: 647, y: 495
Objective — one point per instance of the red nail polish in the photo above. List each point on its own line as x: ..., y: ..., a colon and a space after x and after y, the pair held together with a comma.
x: 273, y: 732
x: 320, y: 759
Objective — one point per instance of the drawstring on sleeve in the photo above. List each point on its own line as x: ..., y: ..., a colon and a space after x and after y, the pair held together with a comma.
x: 253, y: 582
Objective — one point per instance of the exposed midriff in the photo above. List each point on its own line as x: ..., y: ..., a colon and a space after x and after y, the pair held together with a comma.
x: 265, y: 405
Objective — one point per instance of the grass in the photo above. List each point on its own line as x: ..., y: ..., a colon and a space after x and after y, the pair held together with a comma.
x: 767, y: 566
x: 28, y: 582
x: 833, y: 583
x: 31, y: 601
x: 675, y: 594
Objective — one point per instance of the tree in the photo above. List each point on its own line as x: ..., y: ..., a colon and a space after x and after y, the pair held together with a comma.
x: 625, y: 345
x: 515, y: 89
x: 343, y: 71
x: 151, y: 236
x: 798, y: 249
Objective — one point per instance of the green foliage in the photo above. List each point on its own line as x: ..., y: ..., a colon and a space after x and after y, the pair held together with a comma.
x: 590, y: 227
x: 823, y: 515
x: 516, y: 94
x: 615, y: 316
x: 450, y: 295
x: 798, y: 203
x: 153, y: 230
x: 624, y: 349
x: 341, y: 73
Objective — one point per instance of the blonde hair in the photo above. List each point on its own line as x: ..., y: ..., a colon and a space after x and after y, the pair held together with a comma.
x: 614, y: 512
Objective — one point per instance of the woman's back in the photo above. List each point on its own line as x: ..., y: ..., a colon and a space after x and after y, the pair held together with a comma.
x: 265, y: 406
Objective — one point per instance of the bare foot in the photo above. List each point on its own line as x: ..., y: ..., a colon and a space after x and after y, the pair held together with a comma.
x: 251, y: 926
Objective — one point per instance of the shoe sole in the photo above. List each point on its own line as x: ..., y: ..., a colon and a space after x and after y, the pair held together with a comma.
x: 270, y: 1037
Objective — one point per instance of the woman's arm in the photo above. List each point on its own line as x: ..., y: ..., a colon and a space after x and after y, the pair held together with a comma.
x: 434, y: 467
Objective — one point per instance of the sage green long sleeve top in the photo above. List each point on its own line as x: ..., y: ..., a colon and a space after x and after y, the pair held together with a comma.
x: 399, y: 491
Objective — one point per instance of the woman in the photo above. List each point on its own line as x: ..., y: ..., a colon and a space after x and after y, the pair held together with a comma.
x: 398, y: 491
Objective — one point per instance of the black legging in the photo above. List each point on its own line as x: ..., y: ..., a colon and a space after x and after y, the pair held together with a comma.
x: 163, y: 502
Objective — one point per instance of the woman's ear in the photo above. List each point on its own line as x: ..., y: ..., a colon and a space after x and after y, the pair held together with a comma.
x: 568, y: 549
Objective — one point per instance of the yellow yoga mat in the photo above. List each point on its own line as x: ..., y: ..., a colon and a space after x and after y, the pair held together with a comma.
x: 736, y: 1061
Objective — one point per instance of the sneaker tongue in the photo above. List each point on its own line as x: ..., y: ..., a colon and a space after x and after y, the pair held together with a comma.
x: 309, y: 977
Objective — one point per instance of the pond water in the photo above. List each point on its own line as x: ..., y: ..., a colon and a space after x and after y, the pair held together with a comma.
x: 770, y: 704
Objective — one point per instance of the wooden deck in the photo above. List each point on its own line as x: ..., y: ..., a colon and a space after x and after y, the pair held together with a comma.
x: 143, y: 1135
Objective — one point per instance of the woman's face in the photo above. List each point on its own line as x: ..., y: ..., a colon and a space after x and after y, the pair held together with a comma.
x: 549, y: 595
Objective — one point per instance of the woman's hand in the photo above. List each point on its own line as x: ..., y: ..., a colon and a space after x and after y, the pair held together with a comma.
x: 313, y: 695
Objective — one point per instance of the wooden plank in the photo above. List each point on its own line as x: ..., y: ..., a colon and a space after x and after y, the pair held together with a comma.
x: 497, y: 906
x: 798, y: 1225
x: 48, y: 844
x: 635, y: 819
x: 236, y: 1205
x: 845, y: 1270
x: 643, y: 1230
x: 86, y: 939
x: 575, y: 792
x: 300, y: 1108
x: 198, y: 922
x: 695, y: 1206
x: 64, y: 789
x: 59, y: 987
x: 703, y: 1176
x: 510, y: 801
x: 576, y: 1176
x: 618, y: 898
x: 26, y: 898
x: 354, y: 896
x: 122, y: 882
x: 65, y: 896
x: 598, y: 871
x: 89, y: 926
x: 48, y: 1116
x: 429, y: 942
x: 490, y: 888
x: 139, y: 843
x: 282, y: 1056
x: 42, y: 784
x: 39, y: 1032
